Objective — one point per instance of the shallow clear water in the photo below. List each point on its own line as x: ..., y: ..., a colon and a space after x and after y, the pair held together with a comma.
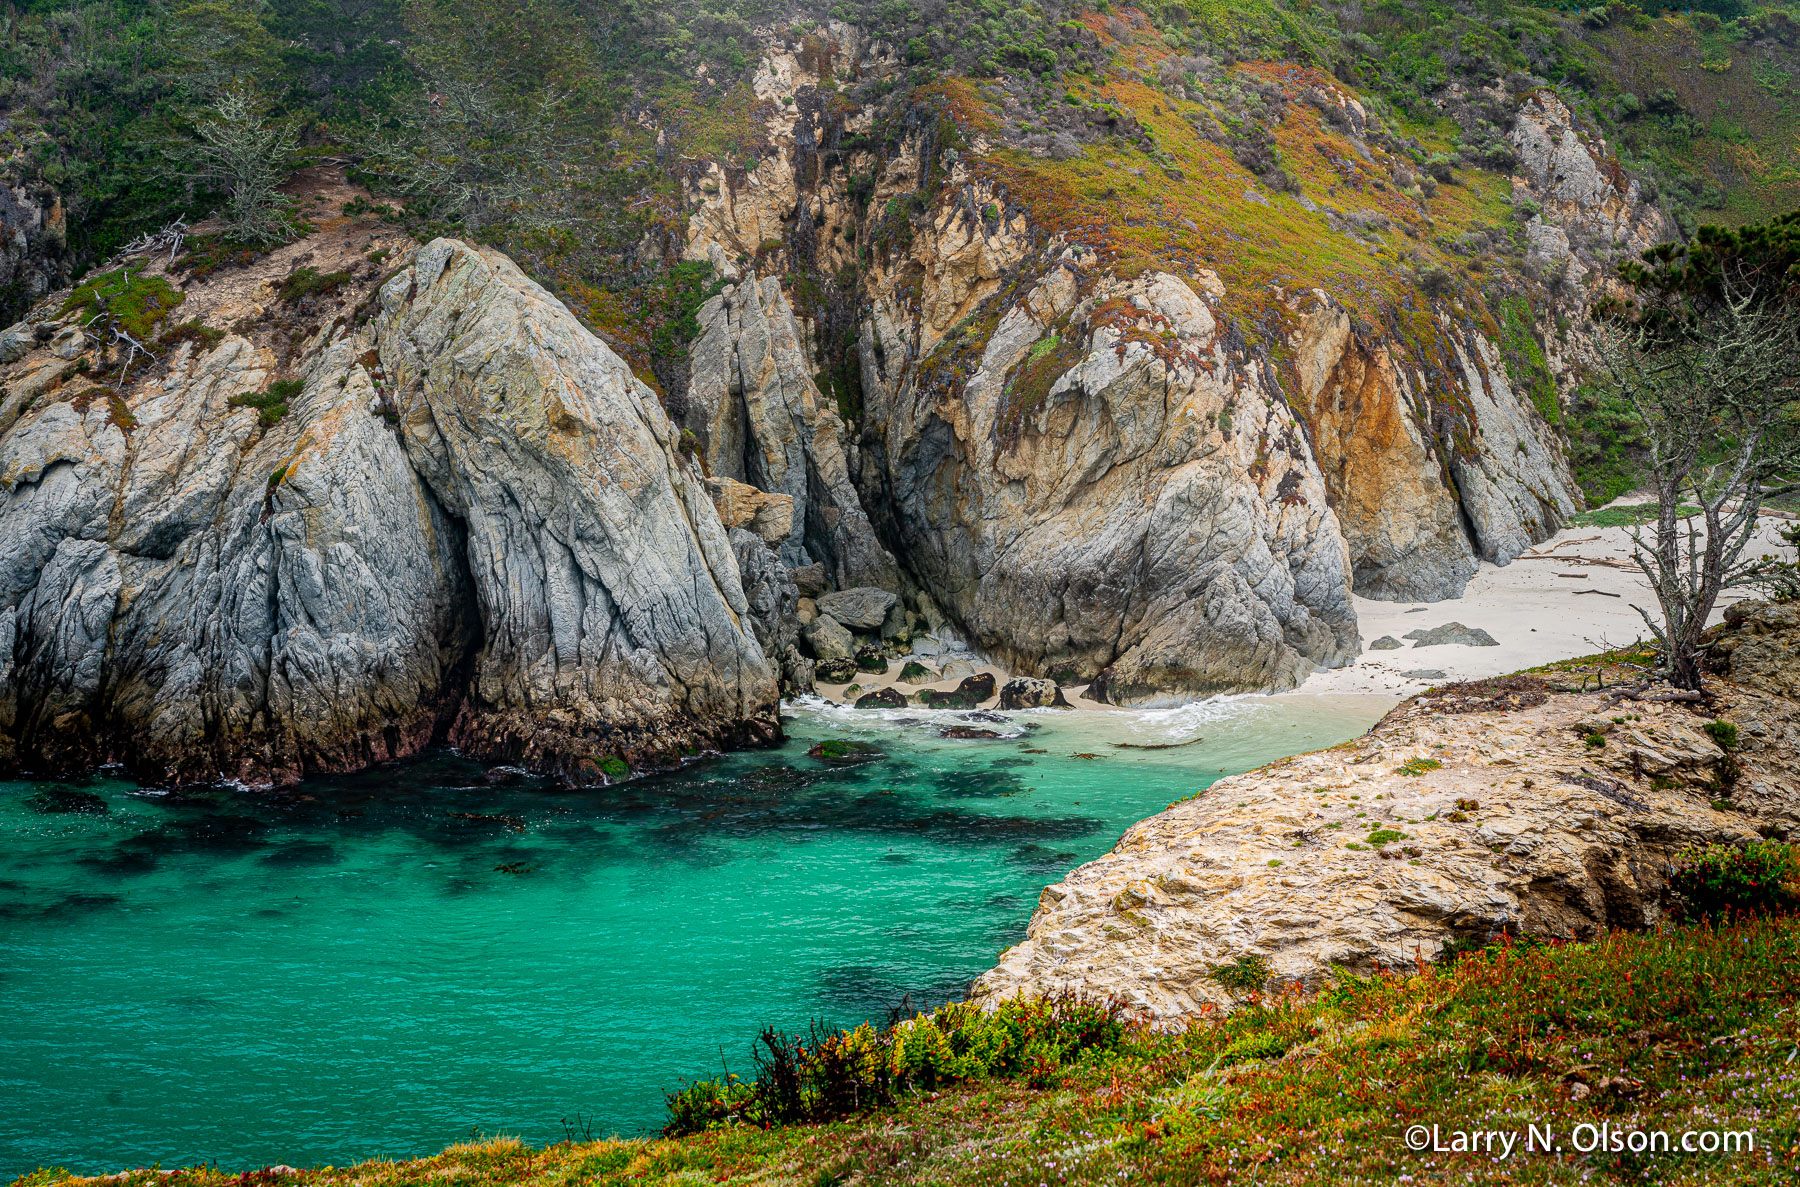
x: 381, y: 964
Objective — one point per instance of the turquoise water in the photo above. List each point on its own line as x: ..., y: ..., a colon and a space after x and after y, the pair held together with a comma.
x: 385, y: 963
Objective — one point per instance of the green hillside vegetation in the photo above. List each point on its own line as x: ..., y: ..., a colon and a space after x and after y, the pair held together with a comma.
x: 521, y: 123
x: 1692, y: 1027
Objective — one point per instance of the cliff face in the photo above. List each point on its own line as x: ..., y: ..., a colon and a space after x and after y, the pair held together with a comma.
x: 1155, y: 477
x: 1109, y: 493
x: 468, y: 522
x: 34, y: 255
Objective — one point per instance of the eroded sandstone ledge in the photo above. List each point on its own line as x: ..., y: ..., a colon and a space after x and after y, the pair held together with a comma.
x: 1440, y: 823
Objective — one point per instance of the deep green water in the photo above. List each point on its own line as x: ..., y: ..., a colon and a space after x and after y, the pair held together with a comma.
x: 381, y: 964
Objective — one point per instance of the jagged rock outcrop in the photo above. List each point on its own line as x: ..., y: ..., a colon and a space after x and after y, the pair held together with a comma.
x: 1440, y: 824
x: 1425, y: 481
x: 1166, y: 533
x: 472, y: 522
x: 34, y: 252
x: 1397, y: 512
x: 1591, y: 209
x: 774, y: 613
x: 762, y: 420
x: 1112, y: 489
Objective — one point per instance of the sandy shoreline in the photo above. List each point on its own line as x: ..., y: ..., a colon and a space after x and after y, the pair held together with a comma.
x: 1571, y: 595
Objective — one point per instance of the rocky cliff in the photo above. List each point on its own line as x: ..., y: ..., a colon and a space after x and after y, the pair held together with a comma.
x: 1165, y: 478
x: 327, y: 523
x: 1504, y: 807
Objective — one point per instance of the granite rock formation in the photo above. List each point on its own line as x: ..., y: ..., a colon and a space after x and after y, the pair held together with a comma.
x: 471, y: 523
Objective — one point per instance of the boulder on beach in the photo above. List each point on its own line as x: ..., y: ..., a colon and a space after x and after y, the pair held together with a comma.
x: 1452, y: 633
x: 862, y: 609
x: 882, y: 698
x: 840, y: 670
x: 828, y: 639
x: 1386, y: 643
x: 1028, y: 692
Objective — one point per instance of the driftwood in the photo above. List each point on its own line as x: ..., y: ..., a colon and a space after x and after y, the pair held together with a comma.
x: 1641, y: 692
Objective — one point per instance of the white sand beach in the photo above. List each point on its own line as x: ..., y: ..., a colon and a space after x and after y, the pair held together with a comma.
x: 1571, y: 595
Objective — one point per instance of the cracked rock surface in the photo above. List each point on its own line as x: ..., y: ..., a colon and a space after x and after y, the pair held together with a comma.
x: 1438, y: 824
x: 471, y: 523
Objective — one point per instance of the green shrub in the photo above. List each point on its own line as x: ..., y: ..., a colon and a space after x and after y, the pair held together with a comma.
x: 136, y: 303
x: 306, y: 281
x: 1720, y: 881
x: 1246, y: 974
x: 1256, y: 1045
x: 1418, y: 766
x: 270, y: 405
x: 205, y: 337
x: 829, y: 1074
x: 1723, y: 732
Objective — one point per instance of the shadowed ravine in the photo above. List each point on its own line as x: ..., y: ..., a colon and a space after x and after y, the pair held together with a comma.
x: 379, y: 964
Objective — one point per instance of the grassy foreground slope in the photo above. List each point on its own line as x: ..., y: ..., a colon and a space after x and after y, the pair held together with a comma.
x: 1688, y: 1029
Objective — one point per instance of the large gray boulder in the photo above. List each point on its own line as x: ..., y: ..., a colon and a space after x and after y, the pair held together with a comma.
x: 473, y: 524
x: 862, y: 609
x: 828, y: 639
x: 17, y: 341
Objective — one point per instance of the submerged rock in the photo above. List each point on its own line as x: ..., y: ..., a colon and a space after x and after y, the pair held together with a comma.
x: 845, y: 753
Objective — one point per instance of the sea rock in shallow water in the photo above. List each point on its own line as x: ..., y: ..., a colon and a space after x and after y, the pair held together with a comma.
x: 1028, y: 692
x: 882, y: 698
